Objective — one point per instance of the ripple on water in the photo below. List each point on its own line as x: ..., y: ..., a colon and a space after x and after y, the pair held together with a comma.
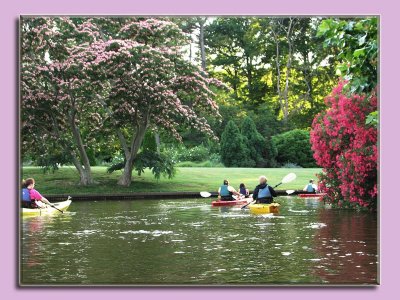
x: 316, y: 225
x: 299, y: 211
x: 86, y: 232
x: 153, y: 233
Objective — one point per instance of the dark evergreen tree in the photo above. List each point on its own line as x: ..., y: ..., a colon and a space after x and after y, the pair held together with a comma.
x: 234, y: 152
x: 254, y: 141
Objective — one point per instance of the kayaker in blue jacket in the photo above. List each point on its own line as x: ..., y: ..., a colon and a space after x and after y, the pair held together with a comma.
x: 243, y: 190
x: 263, y: 193
x: 226, y: 191
x: 311, y: 187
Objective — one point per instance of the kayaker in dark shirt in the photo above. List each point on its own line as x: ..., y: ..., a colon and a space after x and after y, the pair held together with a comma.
x: 263, y: 193
x: 226, y: 191
x: 243, y: 190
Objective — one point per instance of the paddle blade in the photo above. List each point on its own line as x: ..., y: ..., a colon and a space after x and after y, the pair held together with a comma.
x: 289, y: 192
x: 289, y: 177
x: 205, y: 194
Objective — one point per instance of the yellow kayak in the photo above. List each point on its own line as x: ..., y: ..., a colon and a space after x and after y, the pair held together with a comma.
x: 47, y: 210
x: 264, y: 208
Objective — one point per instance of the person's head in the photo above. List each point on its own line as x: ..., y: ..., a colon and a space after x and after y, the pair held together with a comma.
x: 311, y: 180
x: 28, y: 183
x: 262, y: 179
x: 226, y: 182
x: 242, y: 186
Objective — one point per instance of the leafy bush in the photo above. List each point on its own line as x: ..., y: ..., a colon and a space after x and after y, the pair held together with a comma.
x: 158, y: 163
x: 347, y: 150
x: 289, y: 165
x: 215, y: 159
x: 294, y: 146
x: 204, y: 164
x: 196, y: 154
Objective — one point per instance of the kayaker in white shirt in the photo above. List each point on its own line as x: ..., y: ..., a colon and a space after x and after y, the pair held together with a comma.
x: 226, y: 191
x: 311, y: 187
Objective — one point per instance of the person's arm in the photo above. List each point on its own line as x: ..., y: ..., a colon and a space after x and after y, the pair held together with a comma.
x: 44, y: 200
x: 272, y: 191
x: 305, y: 188
x: 255, y: 193
x: 233, y: 191
x: 35, y: 195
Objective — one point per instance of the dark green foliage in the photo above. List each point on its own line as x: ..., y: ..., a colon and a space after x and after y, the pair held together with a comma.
x: 294, y: 147
x: 149, y: 142
x: 160, y: 164
x: 254, y: 141
x: 234, y: 152
x: 355, y: 44
x: 270, y: 153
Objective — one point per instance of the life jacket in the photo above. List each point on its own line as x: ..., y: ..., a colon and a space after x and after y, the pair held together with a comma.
x: 310, y: 188
x: 26, y: 196
x: 243, y: 191
x: 224, y: 192
x: 264, y: 193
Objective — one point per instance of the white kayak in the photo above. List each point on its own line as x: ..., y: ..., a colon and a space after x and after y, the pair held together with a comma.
x: 47, y: 210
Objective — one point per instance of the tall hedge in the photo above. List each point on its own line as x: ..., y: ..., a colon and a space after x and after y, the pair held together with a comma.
x: 294, y: 147
x: 234, y: 152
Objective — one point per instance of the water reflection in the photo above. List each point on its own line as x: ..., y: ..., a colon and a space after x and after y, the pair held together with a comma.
x: 187, y: 241
x: 347, y: 248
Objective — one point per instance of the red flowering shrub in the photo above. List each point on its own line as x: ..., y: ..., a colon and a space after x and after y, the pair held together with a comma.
x: 346, y: 148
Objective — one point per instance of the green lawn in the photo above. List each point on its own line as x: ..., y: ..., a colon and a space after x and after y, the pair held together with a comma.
x: 64, y: 181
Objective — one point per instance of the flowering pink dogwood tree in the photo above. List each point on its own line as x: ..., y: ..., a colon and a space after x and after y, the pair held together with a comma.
x: 130, y: 74
x: 56, y: 97
x: 149, y: 84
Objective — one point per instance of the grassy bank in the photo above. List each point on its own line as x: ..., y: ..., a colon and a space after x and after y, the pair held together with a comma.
x: 64, y: 181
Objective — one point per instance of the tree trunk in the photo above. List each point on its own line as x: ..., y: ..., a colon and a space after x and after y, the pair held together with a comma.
x: 201, y: 42
x: 288, y: 69
x: 126, y: 177
x: 84, y: 174
x: 278, y: 71
x: 158, y: 143
x: 82, y: 165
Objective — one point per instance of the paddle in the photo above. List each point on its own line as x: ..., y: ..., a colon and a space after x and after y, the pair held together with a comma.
x: 288, y: 178
x: 205, y: 194
x: 289, y: 192
x: 56, y: 208
x: 53, y: 206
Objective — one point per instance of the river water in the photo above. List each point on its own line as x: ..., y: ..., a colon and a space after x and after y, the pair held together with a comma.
x: 188, y: 242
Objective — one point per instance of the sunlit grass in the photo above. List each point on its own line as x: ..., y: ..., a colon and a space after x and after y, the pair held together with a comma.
x: 65, y: 180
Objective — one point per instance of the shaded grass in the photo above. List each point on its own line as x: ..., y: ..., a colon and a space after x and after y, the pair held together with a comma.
x: 65, y: 180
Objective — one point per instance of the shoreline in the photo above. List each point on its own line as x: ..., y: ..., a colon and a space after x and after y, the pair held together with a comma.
x: 144, y: 196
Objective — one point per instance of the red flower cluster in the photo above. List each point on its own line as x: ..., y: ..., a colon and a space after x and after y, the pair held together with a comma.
x: 346, y: 148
